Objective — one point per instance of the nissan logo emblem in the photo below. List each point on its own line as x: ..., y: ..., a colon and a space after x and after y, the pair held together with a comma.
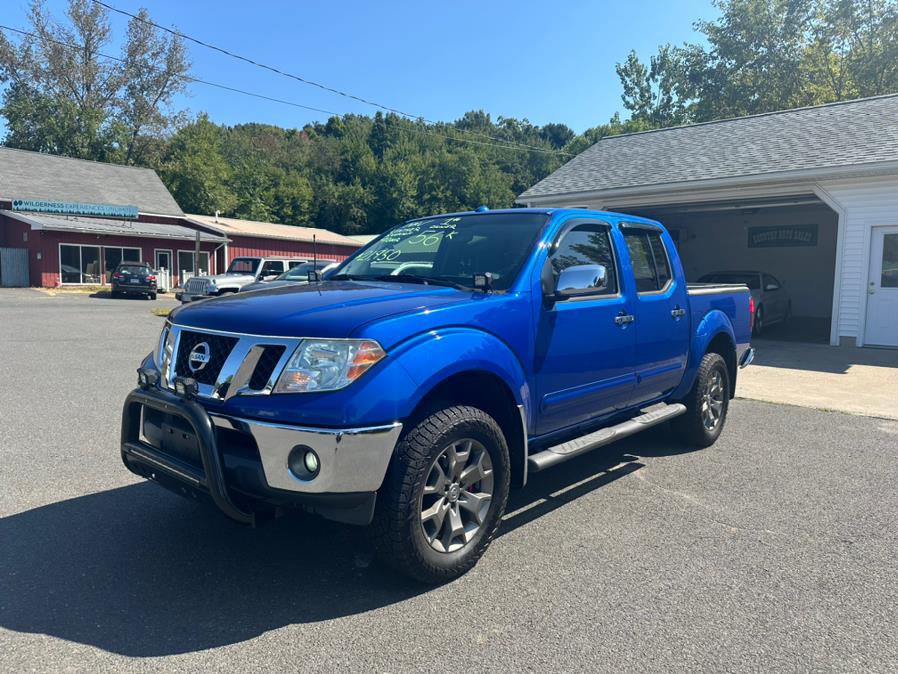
x: 199, y: 357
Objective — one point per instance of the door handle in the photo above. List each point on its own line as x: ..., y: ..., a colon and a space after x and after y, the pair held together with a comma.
x: 678, y: 312
x: 623, y: 319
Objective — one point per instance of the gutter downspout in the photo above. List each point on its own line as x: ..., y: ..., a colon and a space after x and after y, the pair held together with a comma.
x: 215, y: 257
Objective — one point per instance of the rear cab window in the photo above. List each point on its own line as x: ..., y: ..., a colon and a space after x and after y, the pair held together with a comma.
x: 649, y: 259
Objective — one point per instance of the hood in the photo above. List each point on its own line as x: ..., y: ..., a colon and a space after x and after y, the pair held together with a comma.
x: 330, y: 309
x: 219, y: 279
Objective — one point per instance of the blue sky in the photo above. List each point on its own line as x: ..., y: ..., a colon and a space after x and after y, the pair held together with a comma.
x: 546, y: 61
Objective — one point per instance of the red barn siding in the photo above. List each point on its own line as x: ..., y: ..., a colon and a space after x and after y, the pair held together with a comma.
x: 49, y: 271
x: 250, y: 246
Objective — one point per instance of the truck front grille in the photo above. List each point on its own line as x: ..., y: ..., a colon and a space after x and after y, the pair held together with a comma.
x: 225, y: 364
x: 196, y: 286
x: 218, y: 347
x: 265, y: 367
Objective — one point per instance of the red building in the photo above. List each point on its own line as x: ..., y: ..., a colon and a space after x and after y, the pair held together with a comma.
x: 248, y: 238
x: 70, y: 222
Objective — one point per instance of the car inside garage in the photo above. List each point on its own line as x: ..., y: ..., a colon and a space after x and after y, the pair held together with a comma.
x: 790, y: 242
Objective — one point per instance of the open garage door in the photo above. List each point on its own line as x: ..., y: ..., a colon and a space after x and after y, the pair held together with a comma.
x: 788, y: 245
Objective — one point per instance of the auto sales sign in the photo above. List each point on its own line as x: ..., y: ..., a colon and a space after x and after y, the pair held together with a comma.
x: 781, y: 236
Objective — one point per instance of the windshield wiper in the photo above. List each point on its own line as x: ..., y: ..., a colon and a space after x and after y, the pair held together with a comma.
x: 426, y: 280
x: 350, y: 277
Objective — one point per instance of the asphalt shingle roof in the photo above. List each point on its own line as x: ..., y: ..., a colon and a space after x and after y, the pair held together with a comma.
x: 35, y: 175
x: 850, y: 133
x: 64, y: 223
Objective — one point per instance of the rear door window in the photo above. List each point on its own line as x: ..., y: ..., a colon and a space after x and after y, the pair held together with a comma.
x: 648, y: 256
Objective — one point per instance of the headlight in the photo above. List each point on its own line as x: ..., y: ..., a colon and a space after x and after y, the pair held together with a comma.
x: 327, y: 364
x: 164, y: 347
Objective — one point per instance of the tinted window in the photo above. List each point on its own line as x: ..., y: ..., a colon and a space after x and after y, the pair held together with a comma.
x: 586, y: 244
x: 133, y: 269
x: 649, y: 260
x: 272, y: 267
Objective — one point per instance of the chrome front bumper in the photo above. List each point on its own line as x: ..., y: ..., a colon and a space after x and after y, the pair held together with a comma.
x: 352, y: 459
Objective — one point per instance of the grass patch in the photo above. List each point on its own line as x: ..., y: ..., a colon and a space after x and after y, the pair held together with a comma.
x: 161, y: 311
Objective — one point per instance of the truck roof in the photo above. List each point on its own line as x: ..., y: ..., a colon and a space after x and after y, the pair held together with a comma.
x: 610, y: 215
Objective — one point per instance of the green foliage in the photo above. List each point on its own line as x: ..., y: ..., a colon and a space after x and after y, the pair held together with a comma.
x: 63, y: 96
x: 354, y: 173
x: 765, y: 55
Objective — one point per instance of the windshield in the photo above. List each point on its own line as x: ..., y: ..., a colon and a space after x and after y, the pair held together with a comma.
x: 450, y: 249
x: 243, y: 265
x: 753, y: 281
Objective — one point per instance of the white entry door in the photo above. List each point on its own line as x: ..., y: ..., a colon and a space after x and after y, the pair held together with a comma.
x: 882, y: 289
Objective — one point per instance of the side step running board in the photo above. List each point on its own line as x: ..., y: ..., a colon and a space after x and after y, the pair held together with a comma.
x: 651, y: 416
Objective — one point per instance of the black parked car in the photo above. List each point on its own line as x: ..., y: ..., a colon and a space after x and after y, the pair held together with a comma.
x: 134, y: 278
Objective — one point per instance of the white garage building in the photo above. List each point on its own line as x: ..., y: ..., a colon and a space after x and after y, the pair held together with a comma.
x: 808, y: 195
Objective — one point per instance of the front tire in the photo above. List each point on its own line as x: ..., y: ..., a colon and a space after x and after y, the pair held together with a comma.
x: 707, y: 403
x: 444, y: 495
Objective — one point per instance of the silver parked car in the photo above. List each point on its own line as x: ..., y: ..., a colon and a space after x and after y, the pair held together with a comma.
x: 772, y: 303
x: 293, y: 276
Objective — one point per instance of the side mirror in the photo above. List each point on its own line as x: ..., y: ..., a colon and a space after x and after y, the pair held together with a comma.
x: 581, y: 279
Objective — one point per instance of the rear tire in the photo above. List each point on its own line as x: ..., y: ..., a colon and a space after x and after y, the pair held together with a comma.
x: 444, y: 495
x: 758, y: 326
x: 152, y: 296
x: 707, y: 403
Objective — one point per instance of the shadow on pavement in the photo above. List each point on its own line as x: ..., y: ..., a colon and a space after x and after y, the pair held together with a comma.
x: 140, y: 572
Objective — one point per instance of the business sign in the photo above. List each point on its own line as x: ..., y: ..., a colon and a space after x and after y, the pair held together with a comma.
x: 784, y: 236
x: 74, y: 208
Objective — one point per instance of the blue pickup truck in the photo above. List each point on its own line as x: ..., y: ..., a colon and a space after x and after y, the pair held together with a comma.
x: 433, y: 371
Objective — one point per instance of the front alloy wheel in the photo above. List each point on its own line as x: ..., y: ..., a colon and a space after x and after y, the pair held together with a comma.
x: 457, y: 495
x: 444, y: 495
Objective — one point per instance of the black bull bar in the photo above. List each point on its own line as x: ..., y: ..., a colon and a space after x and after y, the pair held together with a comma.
x: 212, y: 479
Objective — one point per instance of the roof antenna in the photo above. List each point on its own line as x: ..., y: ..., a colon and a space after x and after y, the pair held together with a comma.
x: 314, y: 276
x: 216, y: 215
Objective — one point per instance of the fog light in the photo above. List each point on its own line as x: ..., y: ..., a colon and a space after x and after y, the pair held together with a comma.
x: 147, y: 377
x: 311, y: 461
x: 303, y: 462
x: 186, y: 387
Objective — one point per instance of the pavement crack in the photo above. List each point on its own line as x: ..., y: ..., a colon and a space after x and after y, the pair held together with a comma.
x: 708, y: 513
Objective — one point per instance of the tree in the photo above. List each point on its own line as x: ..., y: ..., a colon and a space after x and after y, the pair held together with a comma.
x: 654, y: 94
x: 195, y: 169
x: 765, y: 55
x: 65, y: 97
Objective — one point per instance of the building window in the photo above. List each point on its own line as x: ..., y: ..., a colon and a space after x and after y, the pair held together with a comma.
x: 79, y: 264
x: 112, y: 257
x: 186, y: 263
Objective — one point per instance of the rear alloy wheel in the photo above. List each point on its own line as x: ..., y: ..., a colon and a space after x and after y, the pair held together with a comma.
x: 444, y: 495
x: 706, y: 404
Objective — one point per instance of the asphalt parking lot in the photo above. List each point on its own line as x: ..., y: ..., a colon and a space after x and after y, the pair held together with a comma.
x: 773, y: 550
